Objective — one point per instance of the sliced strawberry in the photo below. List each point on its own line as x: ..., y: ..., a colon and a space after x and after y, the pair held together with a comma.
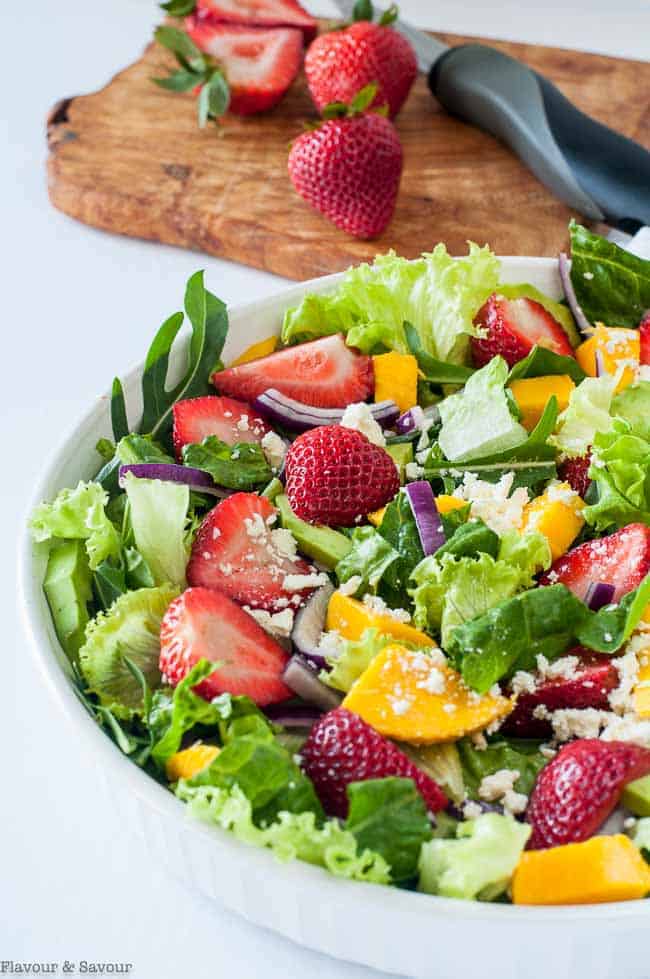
x: 258, y: 13
x: 621, y: 560
x: 231, y: 421
x: 579, y: 788
x: 588, y: 686
x: 237, y: 552
x: 575, y: 472
x: 644, y: 337
x: 260, y: 65
x: 206, y: 624
x: 512, y: 327
x: 342, y: 748
x: 325, y: 373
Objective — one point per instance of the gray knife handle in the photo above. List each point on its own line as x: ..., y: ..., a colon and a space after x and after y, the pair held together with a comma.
x: 599, y: 172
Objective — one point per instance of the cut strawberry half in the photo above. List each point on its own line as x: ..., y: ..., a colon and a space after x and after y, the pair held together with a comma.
x: 237, y: 551
x: 621, y: 560
x: 205, y: 624
x: 325, y: 373
x: 579, y: 788
x: 259, y: 65
x: 231, y: 421
x: 512, y: 327
x: 644, y: 338
x: 258, y: 13
x: 589, y: 685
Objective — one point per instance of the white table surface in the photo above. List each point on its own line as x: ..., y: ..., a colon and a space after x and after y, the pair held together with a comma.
x: 79, y: 306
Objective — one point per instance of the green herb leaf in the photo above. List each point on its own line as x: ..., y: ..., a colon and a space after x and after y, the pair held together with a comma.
x: 119, y: 422
x: 179, y: 81
x: 400, y: 530
x: 611, y: 284
x: 388, y: 816
x: 541, y: 362
x: 370, y: 557
x: 469, y: 540
x: 179, y: 8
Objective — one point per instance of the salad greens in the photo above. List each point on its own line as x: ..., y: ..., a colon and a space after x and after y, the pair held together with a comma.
x: 78, y: 514
x: 620, y: 467
x: 611, y: 284
x: 512, y: 754
x: 159, y: 514
x: 242, y: 466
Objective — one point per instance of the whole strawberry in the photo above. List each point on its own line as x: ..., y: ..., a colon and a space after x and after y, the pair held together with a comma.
x: 340, y: 63
x: 349, y: 168
x: 579, y: 788
x: 335, y: 476
x: 341, y: 748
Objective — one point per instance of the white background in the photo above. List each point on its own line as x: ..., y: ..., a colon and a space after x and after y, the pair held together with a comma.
x: 78, y: 306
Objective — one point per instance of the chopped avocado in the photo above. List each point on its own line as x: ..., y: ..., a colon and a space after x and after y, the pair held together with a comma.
x: 320, y: 543
x: 636, y: 796
x: 273, y: 489
x: 402, y: 454
x: 68, y: 588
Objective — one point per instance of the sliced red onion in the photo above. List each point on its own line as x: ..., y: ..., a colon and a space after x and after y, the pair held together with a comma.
x: 599, y: 593
x: 564, y: 268
x: 414, y: 418
x: 299, y: 417
x: 427, y: 519
x: 171, y: 472
x: 309, y: 624
x: 302, y: 679
x: 293, y: 715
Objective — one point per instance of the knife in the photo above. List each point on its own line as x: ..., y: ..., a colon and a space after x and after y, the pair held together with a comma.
x: 595, y: 170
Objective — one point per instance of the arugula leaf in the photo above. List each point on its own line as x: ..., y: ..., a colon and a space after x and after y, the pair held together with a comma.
x: 240, y: 467
x: 435, y: 371
x: 399, y: 529
x: 388, y: 816
x: 611, y: 284
x: 529, y: 474
x: 542, y: 362
x: 119, y: 421
x: 515, y: 754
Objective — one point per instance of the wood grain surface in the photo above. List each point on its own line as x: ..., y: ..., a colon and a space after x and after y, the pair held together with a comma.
x: 130, y: 159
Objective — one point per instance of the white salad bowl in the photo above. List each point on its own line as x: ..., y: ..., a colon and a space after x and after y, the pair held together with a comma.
x: 395, y: 930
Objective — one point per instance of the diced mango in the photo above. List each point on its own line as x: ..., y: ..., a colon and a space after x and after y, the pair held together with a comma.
x: 190, y: 761
x: 351, y: 618
x: 618, y: 349
x: 532, y: 394
x: 413, y: 696
x: 260, y: 349
x: 604, y: 868
x: 396, y: 379
x: 559, y: 520
x: 641, y: 695
x: 445, y: 504
x: 377, y: 516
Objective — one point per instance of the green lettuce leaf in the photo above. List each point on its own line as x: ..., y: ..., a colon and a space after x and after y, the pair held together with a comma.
x: 620, y: 469
x: 442, y: 763
x: 611, y: 284
x: 543, y: 621
x: 79, y: 514
x: 558, y: 311
x: 437, y: 294
x: 479, y: 863
x: 238, y: 467
x: 530, y: 553
x: 388, y: 816
x: 477, y: 422
x: 469, y: 540
x: 369, y: 559
x: 352, y: 657
x: 159, y: 513
x: 129, y: 630
x: 291, y: 837
x: 586, y: 414
x: 515, y: 754
x: 632, y: 404
x: 399, y: 529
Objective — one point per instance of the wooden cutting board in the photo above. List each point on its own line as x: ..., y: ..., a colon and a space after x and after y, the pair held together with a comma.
x: 131, y: 159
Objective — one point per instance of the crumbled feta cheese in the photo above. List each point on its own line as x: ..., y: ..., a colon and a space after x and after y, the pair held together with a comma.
x: 565, y: 668
x: 331, y: 644
x: 284, y: 543
x: 242, y: 424
x: 547, y: 751
x: 359, y: 417
x: 378, y: 607
x: 575, y: 723
x: 274, y: 449
x: 627, y: 666
x: 523, y: 682
x: 216, y: 533
x: 479, y: 740
x: 425, y: 427
x: 587, y: 275
x: 225, y: 569
x: 495, y: 690
x: 296, y: 582
x: 400, y: 705
x: 472, y: 810
x: 643, y: 372
x: 494, y: 787
x: 434, y: 682
x: 279, y: 624
x: 558, y: 492
x: 492, y: 502
x: 351, y: 586
x: 627, y: 729
x: 255, y: 526
x: 449, y: 708
x: 413, y: 471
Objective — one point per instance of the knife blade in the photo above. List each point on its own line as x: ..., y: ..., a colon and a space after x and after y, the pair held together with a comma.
x: 591, y: 168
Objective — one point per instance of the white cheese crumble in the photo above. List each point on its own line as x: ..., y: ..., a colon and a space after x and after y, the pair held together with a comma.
x: 284, y: 543
x: 565, y: 668
x: 575, y: 723
x: 472, y: 810
x: 296, y: 582
x: 493, y: 503
x: 378, y: 606
x: 523, y: 682
x: 558, y: 492
x: 278, y: 625
x: 242, y: 424
x: 274, y: 449
x: 627, y: 666
x: 413, y: 471
x: 359, y: 417
x: 627, y: 728
x: 500, y: 787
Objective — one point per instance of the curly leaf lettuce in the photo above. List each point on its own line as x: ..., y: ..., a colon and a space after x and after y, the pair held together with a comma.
x: 620, y: 469
x: 588, y: 412
x: 79, y: 514
x: 347, y: 659
x: 437, y: 294
x: 368, y: 560
x: 159, y: 513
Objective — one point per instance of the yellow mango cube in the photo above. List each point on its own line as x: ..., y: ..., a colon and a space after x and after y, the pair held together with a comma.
x: 604, y: 868
x: 257, y: 350
x: 641, y: 694
x: 532, y: 394
x: 557, y: 514
x: 396, y: 379
x: 351, y: 618
x: 377, y: 516
x: 190, y: 761
x: 445, y: 504
x: 413, y: 696
x: 615, y: 349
